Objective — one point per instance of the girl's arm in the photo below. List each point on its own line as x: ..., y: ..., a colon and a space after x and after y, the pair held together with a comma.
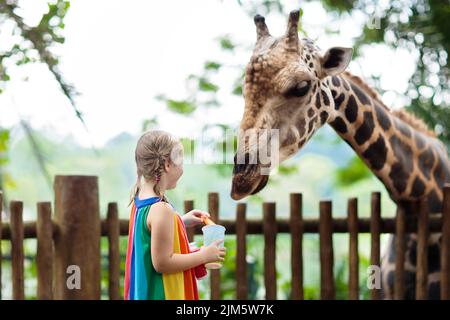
x: 160, y: 221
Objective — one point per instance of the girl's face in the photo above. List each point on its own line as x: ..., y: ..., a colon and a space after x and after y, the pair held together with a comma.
x: 174, y: 167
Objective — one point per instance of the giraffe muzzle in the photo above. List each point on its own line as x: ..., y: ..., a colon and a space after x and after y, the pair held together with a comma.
x: 247, y: 180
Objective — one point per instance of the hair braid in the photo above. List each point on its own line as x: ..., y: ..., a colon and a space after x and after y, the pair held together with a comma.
x: 153, y: 149
x: 158, y: 174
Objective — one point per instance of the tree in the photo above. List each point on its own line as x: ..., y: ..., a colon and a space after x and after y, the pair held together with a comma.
x: 32, y: 44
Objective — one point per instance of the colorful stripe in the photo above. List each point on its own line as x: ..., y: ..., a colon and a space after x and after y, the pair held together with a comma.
x: 142, y: 281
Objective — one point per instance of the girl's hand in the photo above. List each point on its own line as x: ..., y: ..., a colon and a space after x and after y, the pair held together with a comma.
x: 213, y: 253
x: 194, y: 217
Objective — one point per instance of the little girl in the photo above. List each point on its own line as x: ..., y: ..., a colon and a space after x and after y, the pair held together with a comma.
x: 159, y: 263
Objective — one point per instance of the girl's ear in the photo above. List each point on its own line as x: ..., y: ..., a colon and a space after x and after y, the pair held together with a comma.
x: 167, y: 165
x: 336, y: 60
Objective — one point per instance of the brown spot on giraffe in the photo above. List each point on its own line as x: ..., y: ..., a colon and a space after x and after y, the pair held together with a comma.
x: 288, y: 73
x: 365, y: 131
x: 351, y: 111
x: 376, y: 154
x: 338, y: 101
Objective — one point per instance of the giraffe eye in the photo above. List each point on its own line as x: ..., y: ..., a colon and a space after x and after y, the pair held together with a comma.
x: 299, y: 90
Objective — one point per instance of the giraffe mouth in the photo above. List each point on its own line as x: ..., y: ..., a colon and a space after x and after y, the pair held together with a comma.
x: 247, y: 182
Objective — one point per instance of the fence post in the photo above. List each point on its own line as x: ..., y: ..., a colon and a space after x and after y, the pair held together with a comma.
x: 241, y: 259
x: 44, y: 254
x: 353, y: 275
x: 375, y: 228
x: 296, y: 228
x: 17, y: 255
x: 77, y: 244
x: 445, y: 248
x: 213, y: 209
x: 188, y: 206
x: 422, y: 251
x: 327, y: 286
x: 400, y: 238
x: 270, y: 234
x: 113, y: 251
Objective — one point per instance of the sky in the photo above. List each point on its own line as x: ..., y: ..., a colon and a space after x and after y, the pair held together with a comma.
x: 120, y: 55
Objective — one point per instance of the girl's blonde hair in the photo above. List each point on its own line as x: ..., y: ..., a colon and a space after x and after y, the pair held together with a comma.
x: 153, y: 149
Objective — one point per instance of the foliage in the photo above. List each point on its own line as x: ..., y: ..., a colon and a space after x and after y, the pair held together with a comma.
x: 355, y: 170
x: 33, y: 44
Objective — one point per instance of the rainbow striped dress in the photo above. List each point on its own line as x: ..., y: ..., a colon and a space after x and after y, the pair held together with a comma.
x: 142, y: 281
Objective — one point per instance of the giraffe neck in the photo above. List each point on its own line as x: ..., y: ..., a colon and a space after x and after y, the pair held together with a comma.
x: 407, y: 161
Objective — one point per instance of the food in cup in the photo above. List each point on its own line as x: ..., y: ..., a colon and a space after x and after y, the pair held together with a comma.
x: 207, y: 221
x: 211, y: 233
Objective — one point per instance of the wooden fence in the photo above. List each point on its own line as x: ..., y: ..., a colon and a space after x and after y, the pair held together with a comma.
x: 72, y: 237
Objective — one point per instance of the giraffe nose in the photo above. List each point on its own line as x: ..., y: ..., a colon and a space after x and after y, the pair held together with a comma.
x: 238, y: 167
x: 243, y: 166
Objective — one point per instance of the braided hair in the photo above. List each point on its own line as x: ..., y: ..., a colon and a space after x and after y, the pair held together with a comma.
x: 153, y: 150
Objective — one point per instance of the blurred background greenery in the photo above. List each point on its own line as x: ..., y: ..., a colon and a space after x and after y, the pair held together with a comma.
x: 325, y: 169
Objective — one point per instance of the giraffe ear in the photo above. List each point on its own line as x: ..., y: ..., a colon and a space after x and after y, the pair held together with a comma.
x: 336, y: 60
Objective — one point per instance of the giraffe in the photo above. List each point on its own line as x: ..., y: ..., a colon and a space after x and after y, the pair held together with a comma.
x: 291, y: 86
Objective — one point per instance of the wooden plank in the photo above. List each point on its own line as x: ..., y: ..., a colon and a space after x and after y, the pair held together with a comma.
x: 77, y: 246
x: 327, y: 286
x: 310, y: 226
x: 188, y: 206
x: 422, y: 252
x: 400, y: 245
x: 445, y: 246
x: 296, y: 224
x: 45, y: 251
x: 353, y: 279
x: 241, y: 253
x: 213, y: 209
x: 29, y: 230
x: 375, y: 227
x: 270, y: 234
x: 17, y: 255
x: 113, y: 252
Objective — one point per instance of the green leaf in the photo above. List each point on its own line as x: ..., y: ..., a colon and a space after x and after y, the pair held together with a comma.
x: 340, y: 6
x: 212, y: 65
x: 238, y: 90
x: 226, y: 43
x: 206, y: 85
x: 180, y: 106
x: 4, y: 140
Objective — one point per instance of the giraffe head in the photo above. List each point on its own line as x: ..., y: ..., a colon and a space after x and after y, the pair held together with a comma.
x: 287, y: 99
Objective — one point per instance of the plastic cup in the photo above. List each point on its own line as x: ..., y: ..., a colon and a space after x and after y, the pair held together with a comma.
x: 212, y: 233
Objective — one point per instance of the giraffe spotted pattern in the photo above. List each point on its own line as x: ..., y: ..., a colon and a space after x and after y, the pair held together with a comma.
x: 292, y: 86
